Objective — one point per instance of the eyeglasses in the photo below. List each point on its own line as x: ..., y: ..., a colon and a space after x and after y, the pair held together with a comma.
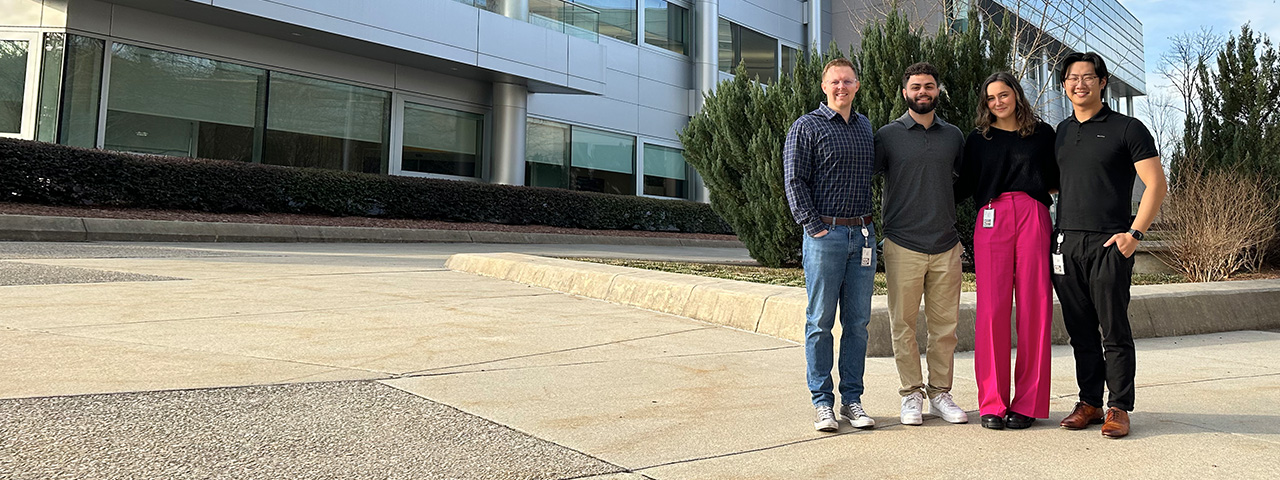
x: 1087, y: 79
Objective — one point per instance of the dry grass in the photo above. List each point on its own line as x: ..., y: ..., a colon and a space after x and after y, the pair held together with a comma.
x: 794, y: 277
x: 1220, y: 224
x: 789, y: 277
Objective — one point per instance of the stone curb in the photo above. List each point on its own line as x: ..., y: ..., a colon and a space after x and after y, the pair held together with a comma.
x: 74, y: 229
x: 1154, y: 310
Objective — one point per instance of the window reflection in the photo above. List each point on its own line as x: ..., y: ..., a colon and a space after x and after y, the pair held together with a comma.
x: 757, y: 51
x: 438, y: 140
x: 167, y: 103
x: 13, y: 82
x: 322, y: 124
x: 666, y: 25
x: 665, y: 172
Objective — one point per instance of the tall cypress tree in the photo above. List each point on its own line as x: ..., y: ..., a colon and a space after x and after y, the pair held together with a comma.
x: 1240, y: 118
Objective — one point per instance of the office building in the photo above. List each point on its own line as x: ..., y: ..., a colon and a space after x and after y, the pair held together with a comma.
x: 586, y: 94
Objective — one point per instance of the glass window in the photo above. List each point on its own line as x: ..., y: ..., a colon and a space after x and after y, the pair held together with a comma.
x: 13, y: 83
x: 560, y: 156
x: 50, y: 86
x: 742, y: 45
x: 760, y: 53
x: 665, y: 172
x: 81, y: 79
x: 322, y: 124
x: 547, y: 154
x: 438, y: 140
x: 602, y: 161
x: 617, y: 17
x: 724, y: 46
x: 790, y: 58
x: 172, y: 104
x: 666, y: 25
x: 567, y: 17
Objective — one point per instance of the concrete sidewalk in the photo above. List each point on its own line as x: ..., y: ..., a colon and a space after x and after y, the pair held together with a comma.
x: 374, y: 361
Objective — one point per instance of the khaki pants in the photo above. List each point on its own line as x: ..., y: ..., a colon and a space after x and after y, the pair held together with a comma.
x: 910, y: 275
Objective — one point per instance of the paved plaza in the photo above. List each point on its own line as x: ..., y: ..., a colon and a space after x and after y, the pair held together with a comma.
x: 132, y: 360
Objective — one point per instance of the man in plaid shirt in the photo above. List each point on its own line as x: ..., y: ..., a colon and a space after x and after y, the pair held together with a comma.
x: 827, y: 164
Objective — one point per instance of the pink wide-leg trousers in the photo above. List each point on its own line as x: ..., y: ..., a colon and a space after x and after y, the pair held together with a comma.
x: 1012, y: 258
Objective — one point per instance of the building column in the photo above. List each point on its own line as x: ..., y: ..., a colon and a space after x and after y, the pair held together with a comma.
x: 510, y: 118
x: 517, y: 9
x: 813, y: 33
x: 706, y: 55
x: 706, y: 68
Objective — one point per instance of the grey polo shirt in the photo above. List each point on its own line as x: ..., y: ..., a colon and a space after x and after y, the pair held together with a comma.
x: 920, y: 167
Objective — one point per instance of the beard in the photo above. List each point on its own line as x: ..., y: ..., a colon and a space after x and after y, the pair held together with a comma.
x: 923, y: 106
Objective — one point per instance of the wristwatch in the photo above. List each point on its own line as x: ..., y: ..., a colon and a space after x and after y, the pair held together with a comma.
x: 1136, y: 234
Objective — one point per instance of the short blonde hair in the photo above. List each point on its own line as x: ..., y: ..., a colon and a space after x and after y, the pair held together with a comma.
x: 839, y: 62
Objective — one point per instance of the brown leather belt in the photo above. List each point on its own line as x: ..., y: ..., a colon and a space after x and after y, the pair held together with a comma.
x: 846, y: 221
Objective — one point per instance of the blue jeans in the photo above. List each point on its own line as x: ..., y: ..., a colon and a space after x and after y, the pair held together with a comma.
x: 833, y: 273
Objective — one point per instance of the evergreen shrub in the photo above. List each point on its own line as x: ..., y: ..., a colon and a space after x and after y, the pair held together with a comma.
x: 48, y: 174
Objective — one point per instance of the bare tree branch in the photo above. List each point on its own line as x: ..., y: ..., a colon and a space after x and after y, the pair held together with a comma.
x: 1178, y: 65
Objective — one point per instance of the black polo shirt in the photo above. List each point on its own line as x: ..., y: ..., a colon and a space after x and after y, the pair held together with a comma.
x: 1095, y: 161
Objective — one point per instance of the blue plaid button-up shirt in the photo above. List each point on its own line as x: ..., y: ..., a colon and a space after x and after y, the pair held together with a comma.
x: 826, y: 167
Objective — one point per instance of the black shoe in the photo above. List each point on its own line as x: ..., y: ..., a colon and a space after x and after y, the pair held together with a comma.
x: 993, y: 422
x: 1017, y: 420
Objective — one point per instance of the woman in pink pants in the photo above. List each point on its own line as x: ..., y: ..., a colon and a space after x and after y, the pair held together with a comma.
x: 1010, y: 170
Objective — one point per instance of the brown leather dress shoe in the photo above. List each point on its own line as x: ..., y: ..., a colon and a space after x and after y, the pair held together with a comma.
x: 1117, y: 423
x: 1082, y: 416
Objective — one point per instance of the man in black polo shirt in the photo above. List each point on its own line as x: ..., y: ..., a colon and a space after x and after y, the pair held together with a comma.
x: 1099, y: 152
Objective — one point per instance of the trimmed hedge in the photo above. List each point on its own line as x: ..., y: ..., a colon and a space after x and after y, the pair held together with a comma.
x: 43, y: 173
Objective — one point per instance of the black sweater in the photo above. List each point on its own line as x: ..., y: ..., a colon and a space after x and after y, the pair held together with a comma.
x: 1008, y: 162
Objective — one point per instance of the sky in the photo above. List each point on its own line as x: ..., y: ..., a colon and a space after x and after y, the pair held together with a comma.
x: 1162, y: 19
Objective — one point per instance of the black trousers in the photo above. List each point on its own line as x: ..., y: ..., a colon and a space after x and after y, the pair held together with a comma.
x: 1094, y: 294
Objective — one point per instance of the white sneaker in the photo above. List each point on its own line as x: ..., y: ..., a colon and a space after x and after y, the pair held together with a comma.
x: 943, y: 406
x: 825, y: 419
x: 911, y: 409
x: 856, y: 417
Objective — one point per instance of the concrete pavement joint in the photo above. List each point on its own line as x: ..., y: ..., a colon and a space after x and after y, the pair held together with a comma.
x: 824, y: 437
x: 233, y: 315
x: 514, y: 429
x: 1214, y: 430
x: 596, y: 362
x: 1207, y: 380
x: 1184, y: 382
x: 281, y: 312
x: 216, y: 352
x: 614, y: 476
x: 424, y: 372
x: 379, y: 272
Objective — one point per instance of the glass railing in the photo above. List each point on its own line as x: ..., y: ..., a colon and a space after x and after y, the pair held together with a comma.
x: 560, y: 15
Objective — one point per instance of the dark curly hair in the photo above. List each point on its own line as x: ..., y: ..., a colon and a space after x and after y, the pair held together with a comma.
x: 921, y: 68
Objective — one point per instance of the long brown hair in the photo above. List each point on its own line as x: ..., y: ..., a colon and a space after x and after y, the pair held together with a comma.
x: 1022, y: 111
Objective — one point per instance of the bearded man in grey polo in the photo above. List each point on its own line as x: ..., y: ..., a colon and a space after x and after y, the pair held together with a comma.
x: 920, y: 155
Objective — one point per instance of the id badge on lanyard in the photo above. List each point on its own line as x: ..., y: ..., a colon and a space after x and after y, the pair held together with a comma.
x: 1059, y: 266
x: 867, y: 251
